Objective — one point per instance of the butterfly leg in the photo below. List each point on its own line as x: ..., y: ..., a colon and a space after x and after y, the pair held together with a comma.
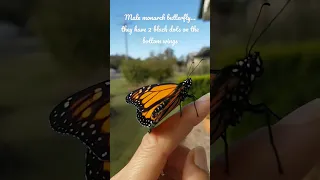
x: 280, y: 169
x: 226, y: 150
x: 262, y: 108
x: 194, y: 102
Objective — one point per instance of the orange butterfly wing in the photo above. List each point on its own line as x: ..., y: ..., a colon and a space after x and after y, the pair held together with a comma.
x: 153, y: 116
x: 152, y: 100
x: 86, y: 116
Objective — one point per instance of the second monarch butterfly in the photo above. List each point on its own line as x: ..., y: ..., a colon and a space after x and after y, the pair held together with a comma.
x: 230, y: 90
x: 154, y: 102
x: 86, y: 116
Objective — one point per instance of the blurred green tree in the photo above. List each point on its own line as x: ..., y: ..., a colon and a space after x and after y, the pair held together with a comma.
x: 135, y: 72
x: 161, y: 70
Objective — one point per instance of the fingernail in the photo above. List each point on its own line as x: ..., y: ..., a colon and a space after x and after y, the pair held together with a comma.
x: 205, y: 97
x: 200, y: 158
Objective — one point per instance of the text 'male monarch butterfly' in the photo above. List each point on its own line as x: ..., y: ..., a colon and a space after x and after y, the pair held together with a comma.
x: 156, y: 101
x: 230, y: 90
x: 86, y: 116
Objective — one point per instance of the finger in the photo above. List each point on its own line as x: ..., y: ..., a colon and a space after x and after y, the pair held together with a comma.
x: 165, y: 177
x: 153, y: 152
x: 296, y: 138
x: 195, y: 167
x: 177, y: 157
x: 175, y: 162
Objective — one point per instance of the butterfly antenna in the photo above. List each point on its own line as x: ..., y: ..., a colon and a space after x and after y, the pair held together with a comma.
x: 275, y: 17
x: 188, y: 73
x: 195, y: 67
x: 255, y: 24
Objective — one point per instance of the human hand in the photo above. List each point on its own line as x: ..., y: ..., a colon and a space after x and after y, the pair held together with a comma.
x: 160, y: 150
x: 297, y: 138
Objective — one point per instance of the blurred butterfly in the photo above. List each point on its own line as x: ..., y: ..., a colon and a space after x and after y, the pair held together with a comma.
x: 230, y: 90
x: 86, y: 116
x: 95, y: 168
x: 154, y: 102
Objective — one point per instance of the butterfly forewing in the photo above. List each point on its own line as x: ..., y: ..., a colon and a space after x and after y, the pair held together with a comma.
x: 145, y: 98
x: 86, y: 115
x: 95, y: 168
x: 225, y: 99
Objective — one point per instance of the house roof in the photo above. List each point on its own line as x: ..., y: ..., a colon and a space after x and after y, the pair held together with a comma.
x: 204, y: 12
x: 204, y: 52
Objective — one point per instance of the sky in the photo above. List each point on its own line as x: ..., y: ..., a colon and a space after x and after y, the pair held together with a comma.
x: 186, y: 41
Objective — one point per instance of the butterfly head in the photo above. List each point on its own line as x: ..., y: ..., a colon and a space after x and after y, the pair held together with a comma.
x: 256, y: 66
x: 249, y: 67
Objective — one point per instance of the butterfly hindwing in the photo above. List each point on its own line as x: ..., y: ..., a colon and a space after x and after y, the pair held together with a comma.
x: 153, y: 116
x: 95, y: 168
x: 86, y: 115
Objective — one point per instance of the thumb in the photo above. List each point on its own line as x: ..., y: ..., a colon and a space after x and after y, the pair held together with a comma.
x: 195, y: 167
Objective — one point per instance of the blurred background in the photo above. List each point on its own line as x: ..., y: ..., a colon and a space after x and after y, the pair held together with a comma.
x: 290, y: 50
x: 134, y: 64
x: 48, y: 51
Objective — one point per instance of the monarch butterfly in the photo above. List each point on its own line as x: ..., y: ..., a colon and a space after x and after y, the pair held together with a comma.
x: 95, y: 168
x: 154, y: 102
x: 230, y: 91
x: 86, y: 116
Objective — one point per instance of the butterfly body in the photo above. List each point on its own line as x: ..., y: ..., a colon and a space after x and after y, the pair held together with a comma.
x: 155, y: 101
x: 231, y: 88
